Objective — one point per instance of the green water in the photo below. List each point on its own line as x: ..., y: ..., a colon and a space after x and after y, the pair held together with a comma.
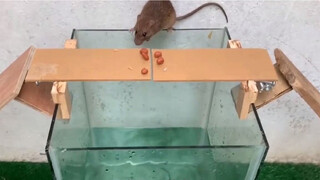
x: 147, y: 164
x: 133, y: 137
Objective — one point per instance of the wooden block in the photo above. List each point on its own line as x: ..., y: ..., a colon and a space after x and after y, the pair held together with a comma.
x: 281, y: 88
x: 234, y: 44
x: 70, y: 44
x: 50, y: 65
x: 60, y: 95
x: 214, y: 65
x: 12, y: 78
x: 247, y: 94
x: 37, y: 97
x: 298, y: 81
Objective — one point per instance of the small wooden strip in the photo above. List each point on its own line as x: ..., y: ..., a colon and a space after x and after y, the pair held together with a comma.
x: 234, y: 44
x: 60, y: 95
x: 12, y: 78
x: 51, y: 65
x: 214, y: 65
x: 70, y: 44
x: 298, y: 81
x: 247, y: 95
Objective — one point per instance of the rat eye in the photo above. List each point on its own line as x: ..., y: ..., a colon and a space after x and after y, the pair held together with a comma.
x: 136, y: 32
x: 144, y: 34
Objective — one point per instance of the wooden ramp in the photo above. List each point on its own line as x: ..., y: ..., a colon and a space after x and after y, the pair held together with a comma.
x: 87, y: 65
x: 125, y: 65
x: 52, y: 66
x: 58, y: 66
x: 214, y: 65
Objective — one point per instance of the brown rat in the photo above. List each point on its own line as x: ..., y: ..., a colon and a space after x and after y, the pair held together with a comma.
x: 158, y: 15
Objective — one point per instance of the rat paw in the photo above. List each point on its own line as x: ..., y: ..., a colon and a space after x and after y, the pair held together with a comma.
x: 131, y: 30
x: 170, y: 30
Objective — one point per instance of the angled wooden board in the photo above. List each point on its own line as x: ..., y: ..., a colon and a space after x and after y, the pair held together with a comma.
x: 88, y: 65
x: 12, y: 78
x: 298, y: 81
x: 214, y: 65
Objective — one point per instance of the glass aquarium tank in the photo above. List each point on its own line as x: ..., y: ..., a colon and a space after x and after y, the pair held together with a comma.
x: 146, y: 130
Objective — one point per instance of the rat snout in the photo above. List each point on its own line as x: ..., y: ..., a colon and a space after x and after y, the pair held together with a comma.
x: 138, y: 41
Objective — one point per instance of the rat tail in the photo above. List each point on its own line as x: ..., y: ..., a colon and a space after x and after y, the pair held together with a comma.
x: 199, y: 8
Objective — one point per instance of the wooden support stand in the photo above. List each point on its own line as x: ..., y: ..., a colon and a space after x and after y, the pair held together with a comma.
x: 12, y: 86
x: 289, y: 77
x: 34, y: 94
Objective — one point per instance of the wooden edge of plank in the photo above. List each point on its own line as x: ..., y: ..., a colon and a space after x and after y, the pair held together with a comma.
x: 26, y: 68
x: 298, y: 81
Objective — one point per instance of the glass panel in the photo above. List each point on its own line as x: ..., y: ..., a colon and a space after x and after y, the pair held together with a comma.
x: 129, y: 111
x: 155, y: 130
x: 224, y: 126
x: 225, y: 129
x: 211, y: 38
x: 134, y: 114
x: 178, y: 118
x: 76, y: 132
x: 126, y: 112
x: 162, y: 164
